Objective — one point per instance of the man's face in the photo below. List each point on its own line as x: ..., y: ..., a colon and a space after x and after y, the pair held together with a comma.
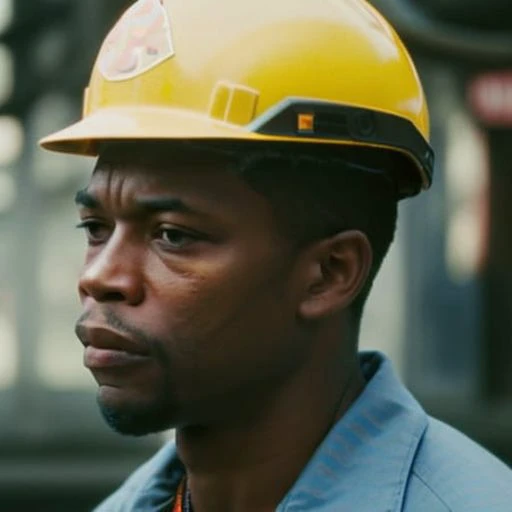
x: 188, y: 291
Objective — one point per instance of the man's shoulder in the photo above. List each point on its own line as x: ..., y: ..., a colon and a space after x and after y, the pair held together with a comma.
x: 451, y: 473
x: 148, y: 487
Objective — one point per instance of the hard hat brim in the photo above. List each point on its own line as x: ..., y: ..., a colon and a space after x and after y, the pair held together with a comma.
x: 125, y: 124
x: 149, y: 124
x: 137, y: 123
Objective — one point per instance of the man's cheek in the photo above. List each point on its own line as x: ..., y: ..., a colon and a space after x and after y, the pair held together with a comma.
x: 202, y: 304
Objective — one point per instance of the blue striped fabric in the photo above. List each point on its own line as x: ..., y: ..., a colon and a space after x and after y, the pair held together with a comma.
x: 384, y: 455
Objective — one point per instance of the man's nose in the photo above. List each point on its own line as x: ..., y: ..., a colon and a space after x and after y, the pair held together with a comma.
x: 114, y: 274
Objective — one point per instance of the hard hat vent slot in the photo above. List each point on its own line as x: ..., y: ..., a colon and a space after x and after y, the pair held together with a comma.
x: 233, y: 103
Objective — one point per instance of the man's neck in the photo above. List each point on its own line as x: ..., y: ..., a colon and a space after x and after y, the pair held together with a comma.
x: 251, y: 467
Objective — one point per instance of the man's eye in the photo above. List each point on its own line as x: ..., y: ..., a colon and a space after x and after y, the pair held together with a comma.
x: 176, y: 238
x: 95, y: 231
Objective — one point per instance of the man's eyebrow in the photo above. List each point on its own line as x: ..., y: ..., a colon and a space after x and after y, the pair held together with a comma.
x: 85, y: 198
x: 151, y: 204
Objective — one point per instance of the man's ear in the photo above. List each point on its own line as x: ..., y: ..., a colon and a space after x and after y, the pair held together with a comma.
x: 337, y: 269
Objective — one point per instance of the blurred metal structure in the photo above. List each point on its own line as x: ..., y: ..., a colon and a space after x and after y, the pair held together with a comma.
x: 473, y: 30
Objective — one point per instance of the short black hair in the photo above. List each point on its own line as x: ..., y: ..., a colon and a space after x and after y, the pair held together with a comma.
x: 316, y: 195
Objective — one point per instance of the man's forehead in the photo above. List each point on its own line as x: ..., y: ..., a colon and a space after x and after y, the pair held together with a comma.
x: 203, y: 181
x: 132, y: 185
x: 131, y: 190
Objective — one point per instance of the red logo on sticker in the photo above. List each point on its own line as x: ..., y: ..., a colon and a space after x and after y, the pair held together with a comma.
x: 140, y: 41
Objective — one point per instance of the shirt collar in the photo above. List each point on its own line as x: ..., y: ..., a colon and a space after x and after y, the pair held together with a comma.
x: 364, y: 462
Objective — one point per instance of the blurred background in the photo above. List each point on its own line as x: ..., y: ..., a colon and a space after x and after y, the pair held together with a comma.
x: 441, y: 308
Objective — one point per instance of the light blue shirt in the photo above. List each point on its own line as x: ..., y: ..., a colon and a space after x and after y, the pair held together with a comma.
x: 384, y: 455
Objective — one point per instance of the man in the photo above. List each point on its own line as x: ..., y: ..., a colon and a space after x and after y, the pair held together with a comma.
x: 251, y: 156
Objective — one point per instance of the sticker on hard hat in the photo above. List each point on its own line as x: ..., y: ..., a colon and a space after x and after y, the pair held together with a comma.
x: 140, y: 41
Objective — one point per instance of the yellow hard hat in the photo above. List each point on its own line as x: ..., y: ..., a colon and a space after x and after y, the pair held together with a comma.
x: 297, y: 71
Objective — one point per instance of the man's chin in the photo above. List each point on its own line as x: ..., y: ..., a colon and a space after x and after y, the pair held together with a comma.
x: 129, y: 424
x: 135, y: 419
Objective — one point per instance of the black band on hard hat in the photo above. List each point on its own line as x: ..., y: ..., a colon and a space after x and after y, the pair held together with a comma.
x: 298, y: 117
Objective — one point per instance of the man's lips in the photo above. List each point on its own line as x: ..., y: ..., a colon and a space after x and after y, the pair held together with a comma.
x: 108, y: 348
x: 102, y: 358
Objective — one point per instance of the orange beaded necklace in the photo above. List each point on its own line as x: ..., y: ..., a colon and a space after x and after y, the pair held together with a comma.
x: 182, y: 502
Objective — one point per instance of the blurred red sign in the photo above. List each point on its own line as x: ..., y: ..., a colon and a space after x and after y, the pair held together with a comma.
x: 490, y: 97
